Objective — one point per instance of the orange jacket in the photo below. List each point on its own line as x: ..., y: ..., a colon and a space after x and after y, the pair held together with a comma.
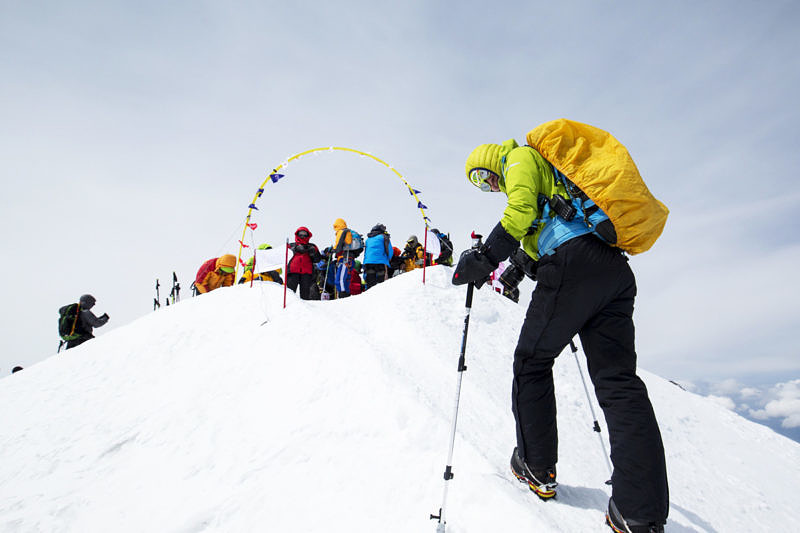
x: 214, y: 278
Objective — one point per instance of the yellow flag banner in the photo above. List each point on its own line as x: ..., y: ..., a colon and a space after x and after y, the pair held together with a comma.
x: 276, y: 176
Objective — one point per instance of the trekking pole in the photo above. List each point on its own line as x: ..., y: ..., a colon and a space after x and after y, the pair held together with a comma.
x: 462, y: 367
x: 595, y: 425
x: 156, y: 302
x: 325, y: 280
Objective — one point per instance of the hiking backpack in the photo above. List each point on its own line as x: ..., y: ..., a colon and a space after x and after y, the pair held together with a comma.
x: 68, y: 322
x: 446, y: 246
x: 602, y: 170
x: 205, y: 268
x: 357, y: 243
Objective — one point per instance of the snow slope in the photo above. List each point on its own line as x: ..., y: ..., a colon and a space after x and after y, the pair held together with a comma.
x: 227, y: 413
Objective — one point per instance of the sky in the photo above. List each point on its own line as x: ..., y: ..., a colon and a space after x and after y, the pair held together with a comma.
x: 165, y: 425
x: 134, y: 136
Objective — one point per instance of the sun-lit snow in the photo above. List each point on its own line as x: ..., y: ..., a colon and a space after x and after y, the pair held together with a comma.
x: 228, y: 413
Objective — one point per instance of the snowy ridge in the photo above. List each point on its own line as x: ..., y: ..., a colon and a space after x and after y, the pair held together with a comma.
x: 227, y: 413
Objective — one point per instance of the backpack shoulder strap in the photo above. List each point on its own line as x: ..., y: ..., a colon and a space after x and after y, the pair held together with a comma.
x: 386, y: 247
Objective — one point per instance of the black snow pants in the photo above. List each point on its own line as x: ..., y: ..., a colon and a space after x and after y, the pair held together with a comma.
x: 586, y: 287
x: 374, y: 274
x: 304, y: 280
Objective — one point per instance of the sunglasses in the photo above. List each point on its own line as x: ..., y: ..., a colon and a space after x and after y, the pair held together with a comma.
x: 478, y: 177
x: 302, y: 234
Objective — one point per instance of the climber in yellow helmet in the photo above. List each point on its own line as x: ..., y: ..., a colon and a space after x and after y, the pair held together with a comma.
x: 584, y: 287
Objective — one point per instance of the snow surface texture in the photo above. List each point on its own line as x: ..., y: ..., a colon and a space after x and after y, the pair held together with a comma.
x: 227, y: 413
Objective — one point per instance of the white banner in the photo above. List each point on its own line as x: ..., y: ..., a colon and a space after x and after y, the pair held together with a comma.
x: 433, y: 246
x: 271, y: 259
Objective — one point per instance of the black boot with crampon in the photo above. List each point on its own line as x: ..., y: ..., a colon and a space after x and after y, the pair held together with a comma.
x: 540, y: 481
x: 619, y: 524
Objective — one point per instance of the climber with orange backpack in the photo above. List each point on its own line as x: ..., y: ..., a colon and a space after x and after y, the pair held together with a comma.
x: 576, y: 204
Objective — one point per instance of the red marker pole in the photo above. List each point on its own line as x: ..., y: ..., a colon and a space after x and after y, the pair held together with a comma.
x: 285, y: 272
x: 425, y: 255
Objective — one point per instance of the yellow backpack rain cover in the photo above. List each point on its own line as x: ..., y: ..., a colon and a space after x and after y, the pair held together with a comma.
x: 602, y: 167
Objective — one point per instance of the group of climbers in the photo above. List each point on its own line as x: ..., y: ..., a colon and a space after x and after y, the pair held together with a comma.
x: 336, y: 272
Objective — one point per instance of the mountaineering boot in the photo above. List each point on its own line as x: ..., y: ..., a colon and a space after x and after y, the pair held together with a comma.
x: 542, y: 482
x: 620, y: 525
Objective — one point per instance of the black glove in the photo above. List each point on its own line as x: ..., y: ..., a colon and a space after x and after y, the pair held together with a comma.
x: 299, y: 248
x: 499, y: 244
x: 104, y: 315
x: 473, y: 266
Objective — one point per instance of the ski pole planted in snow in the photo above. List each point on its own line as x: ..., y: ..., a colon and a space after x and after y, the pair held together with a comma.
x: 175, y: 293
x: 595, y: 425
x: 462, y: 367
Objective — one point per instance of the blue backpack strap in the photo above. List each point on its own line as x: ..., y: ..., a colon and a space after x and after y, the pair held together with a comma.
x: 557, y: 230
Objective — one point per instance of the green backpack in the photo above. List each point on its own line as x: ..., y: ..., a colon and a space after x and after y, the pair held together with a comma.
x: 68, y: 321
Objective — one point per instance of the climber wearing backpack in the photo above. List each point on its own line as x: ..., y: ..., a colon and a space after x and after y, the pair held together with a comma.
x: 445, y: 256
x: 83, y: 321
x: 326, y: 274
x: 377, y: 253
x: 347, y: 241
x: 347, y: 246
x: 301, y: 266
x: 585, y: 287
x: 215, y: 273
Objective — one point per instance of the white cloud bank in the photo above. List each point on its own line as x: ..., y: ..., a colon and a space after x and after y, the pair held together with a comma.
x: 783, y: 402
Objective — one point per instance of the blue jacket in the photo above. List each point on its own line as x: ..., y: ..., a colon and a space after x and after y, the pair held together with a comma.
x: 378, y: 250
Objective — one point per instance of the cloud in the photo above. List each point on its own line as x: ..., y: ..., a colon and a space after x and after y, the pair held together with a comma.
x: 724, y: 401
x: 727, y: 387
x: 776, y: 406
x: 749, y: 393
x: 785, y: 404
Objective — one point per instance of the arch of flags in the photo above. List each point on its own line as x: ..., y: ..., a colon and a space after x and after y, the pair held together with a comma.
x: 276, y: 176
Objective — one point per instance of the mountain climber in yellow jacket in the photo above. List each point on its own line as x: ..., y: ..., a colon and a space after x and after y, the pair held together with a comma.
x: 585, y: 287
x: 413, y: 254
x: 343, y: 236
x: 215, y: 273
